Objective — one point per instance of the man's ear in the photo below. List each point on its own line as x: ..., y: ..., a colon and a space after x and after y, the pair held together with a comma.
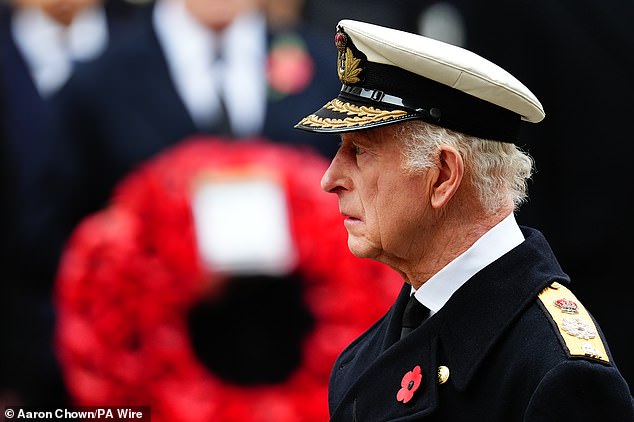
x: 448, y: 178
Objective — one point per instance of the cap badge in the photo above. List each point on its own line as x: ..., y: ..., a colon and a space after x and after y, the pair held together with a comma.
x: 349, y: 67
x: 409, y: 384
x: 567, y: 306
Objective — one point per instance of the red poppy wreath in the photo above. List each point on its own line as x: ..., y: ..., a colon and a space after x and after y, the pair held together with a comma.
x: 146, y: 318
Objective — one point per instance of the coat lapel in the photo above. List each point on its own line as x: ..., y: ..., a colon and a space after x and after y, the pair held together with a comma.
x: 391, y: 361
x: 155, y: 94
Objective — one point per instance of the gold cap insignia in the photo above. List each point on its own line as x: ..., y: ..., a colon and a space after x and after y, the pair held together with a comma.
x: 349, y: 60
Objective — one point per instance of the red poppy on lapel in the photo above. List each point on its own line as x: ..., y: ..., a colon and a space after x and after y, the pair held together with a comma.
x: 289, y: 66
x: 409, y: 384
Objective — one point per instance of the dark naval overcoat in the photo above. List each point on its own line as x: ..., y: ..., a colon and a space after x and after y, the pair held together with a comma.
x: 512, y: 344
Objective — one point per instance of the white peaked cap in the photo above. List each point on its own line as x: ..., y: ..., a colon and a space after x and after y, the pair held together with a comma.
x: 390, y: 76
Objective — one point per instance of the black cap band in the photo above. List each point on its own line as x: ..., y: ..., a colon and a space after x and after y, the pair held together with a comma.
x: 390, y: 87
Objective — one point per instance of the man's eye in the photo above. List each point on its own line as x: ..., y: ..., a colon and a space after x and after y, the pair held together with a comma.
x: 358, y: 150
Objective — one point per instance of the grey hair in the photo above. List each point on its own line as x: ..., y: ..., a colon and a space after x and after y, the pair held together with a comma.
x: 498, y: 170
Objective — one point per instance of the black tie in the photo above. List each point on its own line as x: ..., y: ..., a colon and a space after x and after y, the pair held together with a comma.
x: 221, y: 124
x: 413, y: 316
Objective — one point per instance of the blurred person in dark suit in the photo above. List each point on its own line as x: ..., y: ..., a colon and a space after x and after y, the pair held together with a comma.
x: 186, y: 67
x: 180, y: 68
x: 40, y: 43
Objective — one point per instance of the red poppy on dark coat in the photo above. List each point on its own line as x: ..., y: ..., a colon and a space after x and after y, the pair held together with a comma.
x: 409, y: 384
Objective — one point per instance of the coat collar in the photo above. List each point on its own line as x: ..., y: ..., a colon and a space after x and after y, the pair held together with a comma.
x: 491, y: 301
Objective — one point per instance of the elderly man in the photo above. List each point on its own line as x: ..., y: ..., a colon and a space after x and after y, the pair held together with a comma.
x: 428, y: 176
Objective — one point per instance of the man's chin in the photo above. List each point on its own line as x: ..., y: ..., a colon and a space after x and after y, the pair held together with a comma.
x: 361, y: 249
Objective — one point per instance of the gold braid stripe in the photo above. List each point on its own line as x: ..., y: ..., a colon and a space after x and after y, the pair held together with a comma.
x: 361, y: 115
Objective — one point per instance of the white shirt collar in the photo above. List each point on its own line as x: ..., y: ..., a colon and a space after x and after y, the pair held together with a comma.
x: 503, y: 237
x: 50, y: 48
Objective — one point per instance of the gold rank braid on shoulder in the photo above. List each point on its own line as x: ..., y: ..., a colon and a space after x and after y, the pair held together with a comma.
x: 361, y: 115
x: 575, y: 325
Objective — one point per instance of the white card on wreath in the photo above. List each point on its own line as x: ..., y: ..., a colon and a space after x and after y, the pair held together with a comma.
x: 242, y: 225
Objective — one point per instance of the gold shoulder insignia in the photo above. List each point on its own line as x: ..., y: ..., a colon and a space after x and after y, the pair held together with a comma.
x: 575, y: 325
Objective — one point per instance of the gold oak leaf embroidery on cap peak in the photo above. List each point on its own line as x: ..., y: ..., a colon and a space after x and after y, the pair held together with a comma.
x: 362, y: 114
